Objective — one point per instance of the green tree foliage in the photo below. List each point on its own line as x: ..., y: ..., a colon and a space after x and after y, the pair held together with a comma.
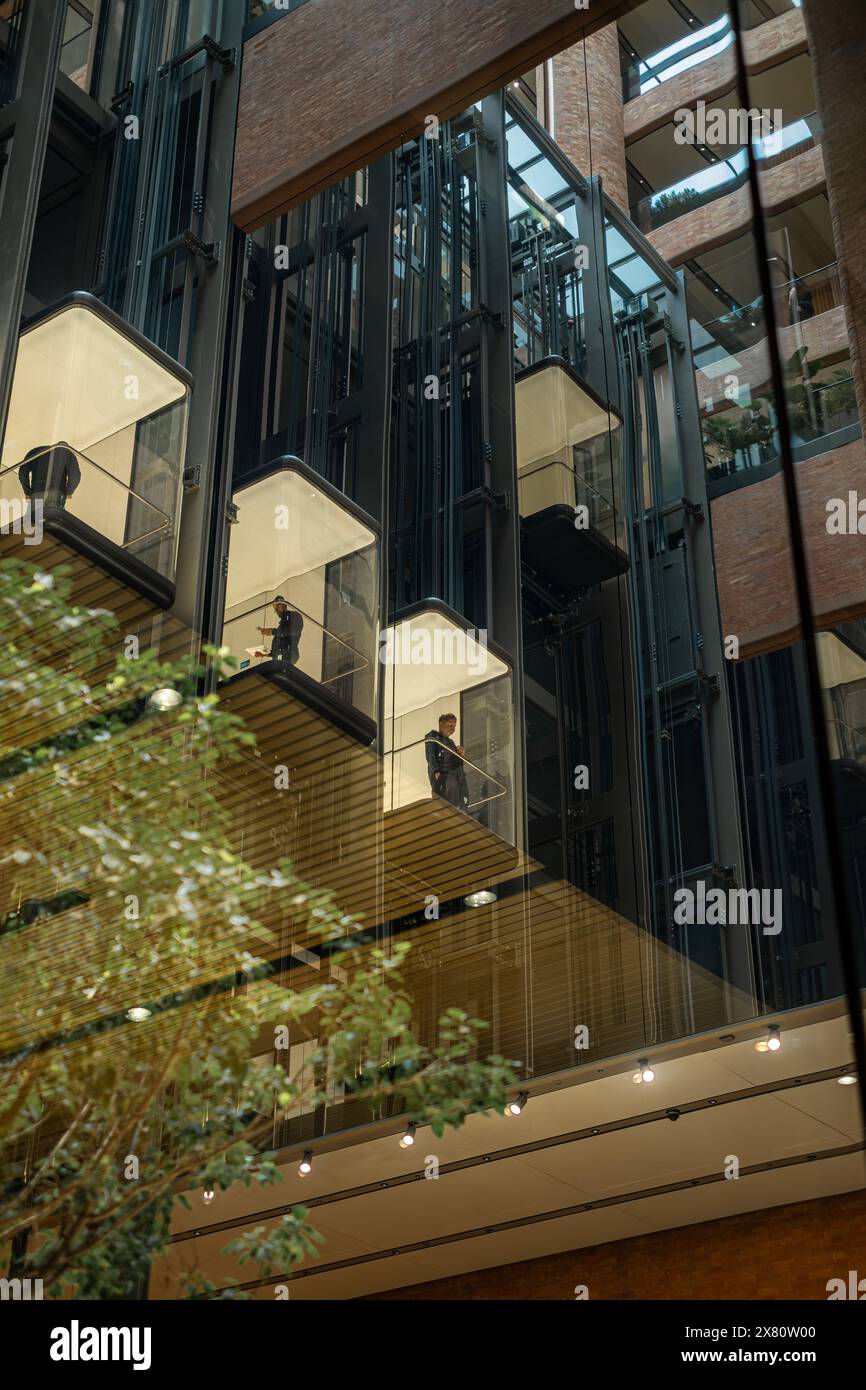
x: 122, y: 891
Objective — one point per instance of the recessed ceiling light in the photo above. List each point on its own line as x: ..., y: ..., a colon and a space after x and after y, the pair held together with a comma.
x: 138, y: 1015
x: 847, y: 1080
x: 483, y: 898
x: 165, y: 698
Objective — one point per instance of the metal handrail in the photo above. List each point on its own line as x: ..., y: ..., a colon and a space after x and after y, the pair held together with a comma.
x: 321, y: 626
x: 424, y: 742
x: 62, y: 444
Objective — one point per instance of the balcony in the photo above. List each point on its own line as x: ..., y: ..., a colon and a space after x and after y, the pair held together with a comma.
x: 448, y: 785
x: 302, y: 593
x: 568, y: 461
x: 95, y: 443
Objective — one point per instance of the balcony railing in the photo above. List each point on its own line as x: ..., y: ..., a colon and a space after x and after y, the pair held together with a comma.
x: 805, y: 296
x: 552, y: 482
x: 725, y: 176
x: 329, y: 659
x: 687, y: 52
x: 465, y: 785
x: 60, y: 481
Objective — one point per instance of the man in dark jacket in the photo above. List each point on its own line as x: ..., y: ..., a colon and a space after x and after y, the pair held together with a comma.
x: 445, y: 766
x: 286, y: 637
x: 54, y: 471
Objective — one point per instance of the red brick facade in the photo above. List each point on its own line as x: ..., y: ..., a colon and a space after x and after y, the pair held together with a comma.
x: 785, y: 1252
x: 757, y: 596
x: 588, y: 110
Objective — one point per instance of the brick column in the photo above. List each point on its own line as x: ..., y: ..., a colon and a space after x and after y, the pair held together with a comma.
x: 837, y: 44
x: 588, y: 112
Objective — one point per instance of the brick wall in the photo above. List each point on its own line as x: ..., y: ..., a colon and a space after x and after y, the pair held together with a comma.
x: 332, y: 87
x: 784, y: 1252
x: 771, y: 43
x: 588, y: 111
x: 757, y: 597
x: 729, y: 216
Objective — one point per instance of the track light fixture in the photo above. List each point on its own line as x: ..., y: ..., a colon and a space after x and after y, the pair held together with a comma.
x: 407, y: 1138
x: 644, y: 1072
x: 305, y: 1167
x: 515, y: 1106
x: 772, y: 1042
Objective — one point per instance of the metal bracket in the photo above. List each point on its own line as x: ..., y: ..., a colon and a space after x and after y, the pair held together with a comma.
x: 668, y: 326
x: 480, y: 134
x: 119, y: 98
x: 226, y: 57
x: 232, y: 513
x: 500, y: 500
x: 711, y: 684
x: 192, y: 477
x: 727, y: 873
x: 693, y: 509
x: 494, y: 317
x: 209, y: 251
x: 248, y: 290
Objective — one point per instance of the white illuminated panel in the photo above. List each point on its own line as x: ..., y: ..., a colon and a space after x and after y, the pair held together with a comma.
x: 79, y: 380
x: 428, y: 658
x: 287, y: 527
x: 553, y: 413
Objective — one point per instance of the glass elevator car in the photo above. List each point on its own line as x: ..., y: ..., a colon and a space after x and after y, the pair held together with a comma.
x: 95, y: 440
x: 302, y: 589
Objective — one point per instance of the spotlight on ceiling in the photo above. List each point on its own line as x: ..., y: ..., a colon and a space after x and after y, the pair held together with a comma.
x: 138, y: 1015
x: 644, y: 1072
x: 847, y: 1080
x: 207, y: 1196
x: 407, y: 1138
x: 772, y: 1042
x: 516, y: 1106
x: 305, y: 1167
x: 483, y: 898
x: 166, y: 697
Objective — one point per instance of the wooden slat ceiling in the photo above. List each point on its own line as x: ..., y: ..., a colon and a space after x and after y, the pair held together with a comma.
x: 544, y: 959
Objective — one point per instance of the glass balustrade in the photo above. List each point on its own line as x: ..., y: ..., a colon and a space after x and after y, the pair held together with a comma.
x: 431, y: 767
x: 738, y: 407
x: 65, y: 482
x: 724, y: 176
x: 301, y: 642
